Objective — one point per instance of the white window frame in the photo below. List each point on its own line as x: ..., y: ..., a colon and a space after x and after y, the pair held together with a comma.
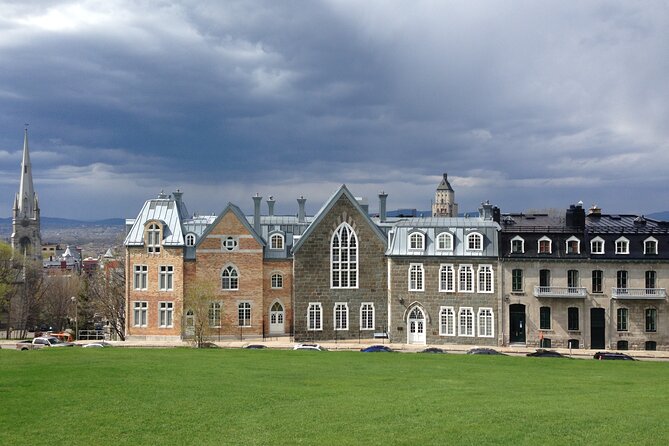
x: 344, y: 273
x: 165, y: 314
x: 592, y: 245
x: 233, y: 278
x: 471, y: 239
x: 448, y: 314
x: 214, y: 313
x: 446, y: 275
x: 244, y: 314
x: 277, y: 242
x: 366, y: 307
x: 166, y: 278
x: 485, y: 275
x: 650, y: 240
x: 463, y: 329
x: 416, y: 277
x: 229, y: 243
x: 153, y: 238
x: 468, y: 271
x: 140, y: 314
x: 624, y: 243
x: 441, y: 238
x: 341, y: 316
x: 317, y: 324
x: 141, y: 277
x: 578, y: 245
x: 550, y: 245
x: 522, y: 245
x: 276, y: 281
x: 190, y: 239
x: 486, y: 319
x: 416, y: 241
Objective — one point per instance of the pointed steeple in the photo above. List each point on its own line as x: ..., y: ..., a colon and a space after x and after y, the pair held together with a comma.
x: 27, y: 198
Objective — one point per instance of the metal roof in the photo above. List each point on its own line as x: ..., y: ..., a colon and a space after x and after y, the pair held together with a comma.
x: 163, y: 210
x: 629, y: 224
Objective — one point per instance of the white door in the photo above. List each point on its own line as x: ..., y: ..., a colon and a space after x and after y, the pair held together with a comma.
x: 416, y: 324
x: 276, y: 318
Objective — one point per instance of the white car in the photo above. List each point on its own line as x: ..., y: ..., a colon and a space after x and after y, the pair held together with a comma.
x: 99, y: 344
x: 309, y: 347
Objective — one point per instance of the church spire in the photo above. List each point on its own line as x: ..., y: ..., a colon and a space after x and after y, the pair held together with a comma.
x: 27, y: 198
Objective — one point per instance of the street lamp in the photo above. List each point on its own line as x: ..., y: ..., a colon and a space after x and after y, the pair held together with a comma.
x: 76, y: 319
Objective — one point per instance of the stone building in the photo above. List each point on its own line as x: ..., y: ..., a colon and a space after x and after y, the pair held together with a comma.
x: 26, y: 238
x: 444, y: 204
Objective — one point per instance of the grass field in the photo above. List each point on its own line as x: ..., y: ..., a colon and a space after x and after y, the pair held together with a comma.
x: 183, y: 396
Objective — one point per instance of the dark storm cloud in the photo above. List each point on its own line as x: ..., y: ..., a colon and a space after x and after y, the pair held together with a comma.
x: 526, y: 104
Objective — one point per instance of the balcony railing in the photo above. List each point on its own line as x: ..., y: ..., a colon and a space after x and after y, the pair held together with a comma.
x: 560, y: 291
x: 639, y: 293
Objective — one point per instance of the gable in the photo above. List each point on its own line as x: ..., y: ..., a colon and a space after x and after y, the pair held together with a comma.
x: 230, y: 222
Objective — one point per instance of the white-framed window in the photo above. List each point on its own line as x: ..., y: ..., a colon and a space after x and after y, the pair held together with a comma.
x: 153, y: 238
x: 416, y: 274
x: 166, y: 278
x: 315, y: 316
x: 140, y: 277
x: 650, y: 246
x: 277, y: 280
x: 166, y: 314
x: 445, y: 241
x: 447, y: 279
x: 229, y: 243
x: 545, y: 245
x: 140, y: 313
x: 597, y: 245
x: 276, y: 241
x: 367, y: 316
x: 517, y: 245
x: 466, y: 279
x: 573, y: 245
x: 447, y: 321
x: 485, y: 276
x: 230, y: 278
x: 416, y: 241
x: 244, y: 314
x: 486, y: 323
x: 344, y: 258
x: 622, y: 246
x: 341, y: 316
x: 466, y: 322
x: 474, y: 242
x: 215, y: 314
x: 190, y: 239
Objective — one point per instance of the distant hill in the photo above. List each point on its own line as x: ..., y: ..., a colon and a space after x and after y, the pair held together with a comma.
x: 63, y: 223
x: 659, y: 215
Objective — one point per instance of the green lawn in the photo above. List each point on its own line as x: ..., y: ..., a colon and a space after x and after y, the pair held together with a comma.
x: 183, y: 396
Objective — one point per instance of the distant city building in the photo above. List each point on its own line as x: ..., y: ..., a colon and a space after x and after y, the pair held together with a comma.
x: 26, y: 238
x: 444, y: 200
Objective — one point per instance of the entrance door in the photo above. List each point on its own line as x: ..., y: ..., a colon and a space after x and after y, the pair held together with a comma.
x: 597, y: 328
x: 276, y: 318
x: 190, y: 323
x: 416, y: 323
x: 517, y: 323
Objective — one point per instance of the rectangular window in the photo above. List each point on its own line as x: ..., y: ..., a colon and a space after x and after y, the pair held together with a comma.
x: 517, y: 246
x: 447, y: 321
x: 166, y: 313
x: 545, y: 318
x: 622, y: 315
x: 141, y: 276
x: 650, y: 247
x: 166, y: 278
x: 650, y: 279
x: 486, y: 322
x: 622, y: 246
x: 597, y: 276
x: 341, y: 316
x: 447, y: 278
x: 315, y: 317
x: 466, y: 282
x: 621, y: 279
x: 485, y: 279
x: 544, y: 277
x: 651, y: 320
x: 367, y: 316
x: 416, y: 277
x: 572, y: 319
x: 215, y: 314
x: 140, y: 310
x: 544, y: 246
x: 466, y: 321
x: 517, y: 280
x: 573, y: 247
x: 597, y: 246
x: 244, y: 314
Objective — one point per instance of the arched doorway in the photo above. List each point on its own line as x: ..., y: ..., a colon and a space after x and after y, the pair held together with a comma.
x: 416, y: 326
x: 276, y: 319
x: 517, y: 324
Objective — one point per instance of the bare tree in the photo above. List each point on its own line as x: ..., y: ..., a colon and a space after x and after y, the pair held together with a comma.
x: 105, y: 291
x: 57, y: 305
x: 27, y: 297
x: 198, y: 312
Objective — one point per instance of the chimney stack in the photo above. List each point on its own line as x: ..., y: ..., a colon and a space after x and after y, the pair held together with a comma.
x: 256, y: 212
x: 270, y: 206
x: 300, y: 209
x: 382, y: 206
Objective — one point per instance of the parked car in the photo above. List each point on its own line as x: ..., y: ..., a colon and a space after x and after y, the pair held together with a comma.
x: 432, y: 350
x: 613, y: 355
x: 376, y: 349
x: 41, y: 342
x: 484, y: 351
x: 256, y: 346
x: 98, y: 344
x: 316, y: 347
x: 543, y: 353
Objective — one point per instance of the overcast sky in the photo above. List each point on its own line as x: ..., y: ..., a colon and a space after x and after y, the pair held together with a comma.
x: 526, y: 104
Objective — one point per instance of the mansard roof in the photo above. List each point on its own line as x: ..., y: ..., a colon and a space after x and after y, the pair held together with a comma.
x: 164, y: 210
x: 626, y: 224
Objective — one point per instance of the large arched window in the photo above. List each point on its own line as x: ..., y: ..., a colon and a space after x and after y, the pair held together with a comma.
x: 344, y: 258
x: 230, y: 278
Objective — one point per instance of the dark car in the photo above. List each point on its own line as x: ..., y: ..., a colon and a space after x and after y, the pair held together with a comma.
x: 256, y: 346
x: 542, y: 353
x: 484, y: 351
x: 376, y: 348
x: 613, y: 355
x: 432, y: 350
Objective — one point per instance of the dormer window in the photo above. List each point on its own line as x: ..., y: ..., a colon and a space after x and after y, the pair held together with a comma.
x: 597, y: 245
x: 475, y: 242
x: 416, y: 241
x: 545, y: 245
x: 445, y: 241
x: 190, y: 239
x: 573, y: 245
x: 622, y: 246
x: 517, y: 245
x: 650, y: 246
x: 153, y: 238
x: 276, y: 241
